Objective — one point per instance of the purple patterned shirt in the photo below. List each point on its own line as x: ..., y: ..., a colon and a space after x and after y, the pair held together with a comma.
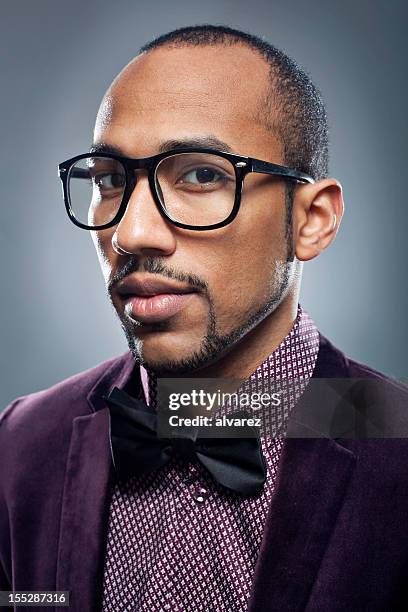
x: 179, y: 541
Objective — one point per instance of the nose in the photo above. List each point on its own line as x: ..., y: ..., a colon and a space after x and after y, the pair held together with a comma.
x: 143, y: 230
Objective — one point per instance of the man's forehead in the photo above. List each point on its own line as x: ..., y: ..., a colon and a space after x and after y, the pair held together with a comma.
x: 196, y: 71
x: 188, y: 89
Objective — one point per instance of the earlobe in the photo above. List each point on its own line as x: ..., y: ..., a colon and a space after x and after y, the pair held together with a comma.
x: 317, y: 212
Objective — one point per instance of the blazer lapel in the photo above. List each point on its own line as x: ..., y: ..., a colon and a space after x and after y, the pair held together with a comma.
x: 84, y: 511
x: 310, y: 489
x: 86, y: 497
x: 314, y: 473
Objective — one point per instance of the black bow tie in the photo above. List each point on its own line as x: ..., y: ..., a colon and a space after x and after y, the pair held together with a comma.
x: 236, y: 463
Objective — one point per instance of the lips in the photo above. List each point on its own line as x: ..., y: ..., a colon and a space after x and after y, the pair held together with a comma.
x: 151, y: 300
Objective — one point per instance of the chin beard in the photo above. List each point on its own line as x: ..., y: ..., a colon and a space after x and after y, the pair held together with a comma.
x: 213, y: 344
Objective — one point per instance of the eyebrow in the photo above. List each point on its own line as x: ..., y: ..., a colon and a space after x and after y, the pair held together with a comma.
x: 102, y: 147
x: 210, y: 142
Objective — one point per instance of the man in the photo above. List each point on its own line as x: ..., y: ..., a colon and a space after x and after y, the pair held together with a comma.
x: 205, y: 191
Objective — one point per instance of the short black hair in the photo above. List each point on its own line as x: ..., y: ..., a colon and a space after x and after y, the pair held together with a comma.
x: 294, y: 108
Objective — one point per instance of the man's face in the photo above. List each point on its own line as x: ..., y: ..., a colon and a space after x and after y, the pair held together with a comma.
x: 234, y: 276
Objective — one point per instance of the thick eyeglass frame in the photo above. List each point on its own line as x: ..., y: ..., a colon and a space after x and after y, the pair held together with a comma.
x: 242, y: 166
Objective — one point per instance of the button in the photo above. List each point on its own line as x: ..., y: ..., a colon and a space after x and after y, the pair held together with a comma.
x: 191, y: 476
x: 201, y: 495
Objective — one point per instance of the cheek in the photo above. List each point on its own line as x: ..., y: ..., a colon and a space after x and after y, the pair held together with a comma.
x: 106, y: 255
x: 250, y: 266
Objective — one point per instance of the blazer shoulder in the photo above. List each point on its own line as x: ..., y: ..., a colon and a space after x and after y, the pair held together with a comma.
x: 58, y: 404
x: 378, y: 381
x: 383, y: 399
x: 340, y: 365
x: 362, y: 370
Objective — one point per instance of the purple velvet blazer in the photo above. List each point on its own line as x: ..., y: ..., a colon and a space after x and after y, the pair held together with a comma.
x: 336, y: 537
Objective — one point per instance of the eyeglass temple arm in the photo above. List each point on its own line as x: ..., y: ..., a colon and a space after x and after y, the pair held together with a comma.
x: 81, y: 173
x: 275, y: 170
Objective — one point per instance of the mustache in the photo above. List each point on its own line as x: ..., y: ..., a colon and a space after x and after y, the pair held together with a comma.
x: 155, y: 265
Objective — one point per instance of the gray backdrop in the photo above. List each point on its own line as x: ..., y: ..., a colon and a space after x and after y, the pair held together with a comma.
x: 57, y: 59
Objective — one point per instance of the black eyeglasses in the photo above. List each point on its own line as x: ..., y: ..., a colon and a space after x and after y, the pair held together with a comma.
x: 196, y: 189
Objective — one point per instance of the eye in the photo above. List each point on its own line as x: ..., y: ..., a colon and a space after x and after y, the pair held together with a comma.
x: 203, y: 176
x: 109, y: 180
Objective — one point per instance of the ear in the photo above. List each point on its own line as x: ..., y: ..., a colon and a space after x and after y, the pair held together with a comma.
x: 317, y: 212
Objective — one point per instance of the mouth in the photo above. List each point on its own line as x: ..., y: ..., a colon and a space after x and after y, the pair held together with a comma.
x: 152, y: 300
